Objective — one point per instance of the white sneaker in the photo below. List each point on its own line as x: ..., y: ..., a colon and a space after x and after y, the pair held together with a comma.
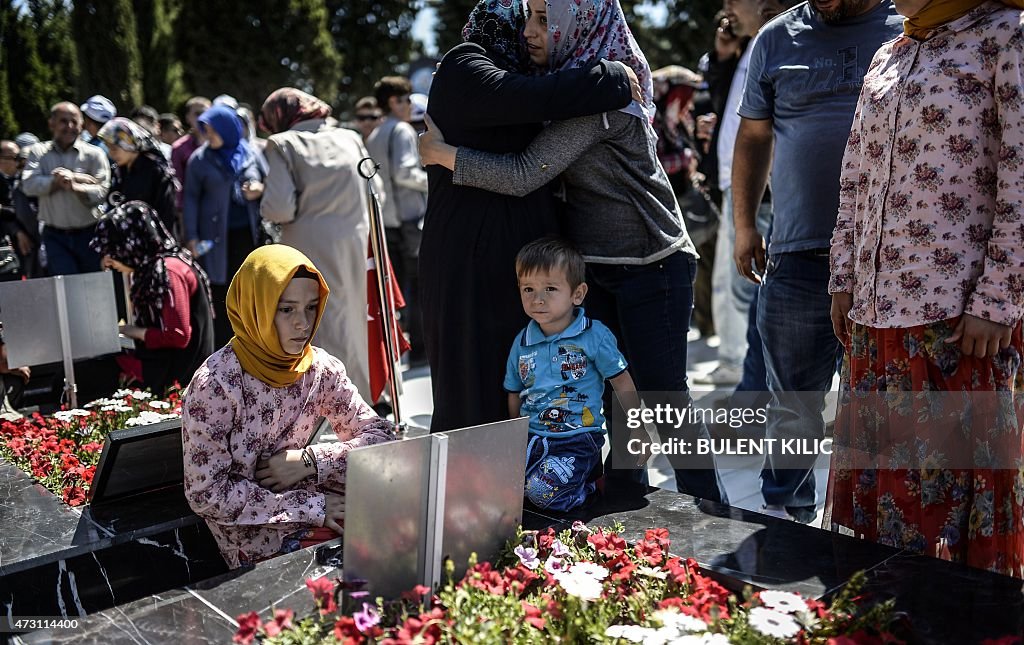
x: 721, y: 375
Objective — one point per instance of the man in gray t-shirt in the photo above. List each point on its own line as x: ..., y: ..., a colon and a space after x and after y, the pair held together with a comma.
x: 805, y: 73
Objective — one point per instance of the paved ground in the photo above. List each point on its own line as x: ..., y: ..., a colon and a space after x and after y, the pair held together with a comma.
x: 740, y: 475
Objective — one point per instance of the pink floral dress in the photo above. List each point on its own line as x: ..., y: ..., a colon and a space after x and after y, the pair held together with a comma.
x: 230, y: 418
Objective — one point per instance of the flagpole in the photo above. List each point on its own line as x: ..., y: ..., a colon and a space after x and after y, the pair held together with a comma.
x: 382, y: 264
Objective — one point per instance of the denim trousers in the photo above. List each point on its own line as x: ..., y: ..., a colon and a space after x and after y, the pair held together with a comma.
x: 648, y: 308
x: 800, y: 354
x: 68, y: 252
x: 558, y: 470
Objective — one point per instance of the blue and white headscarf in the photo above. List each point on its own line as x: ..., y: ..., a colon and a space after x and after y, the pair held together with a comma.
x: 497, y: 26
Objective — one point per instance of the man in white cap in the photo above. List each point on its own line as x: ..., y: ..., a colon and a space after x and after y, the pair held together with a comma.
x: 96, y: 111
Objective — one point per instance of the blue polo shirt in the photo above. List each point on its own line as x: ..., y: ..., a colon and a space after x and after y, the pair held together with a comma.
x: 560, y: 378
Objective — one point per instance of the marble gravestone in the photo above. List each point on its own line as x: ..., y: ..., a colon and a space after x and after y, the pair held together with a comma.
x: 137, y: 537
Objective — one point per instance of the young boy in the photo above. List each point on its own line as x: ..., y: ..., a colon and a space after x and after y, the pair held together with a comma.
x: 556, y: 373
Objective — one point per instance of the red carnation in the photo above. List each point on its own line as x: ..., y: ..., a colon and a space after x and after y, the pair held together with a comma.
x: 533, y: 615
x: 248, y: 625
x: 282, y: 621
x: 346, y: 632
x: 323, y: 594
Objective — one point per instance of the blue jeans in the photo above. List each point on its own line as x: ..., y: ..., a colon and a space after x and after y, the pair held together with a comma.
x: 68, y: 252
x: 800, y: 354
x: 558, y: 470
x: 648, y: 309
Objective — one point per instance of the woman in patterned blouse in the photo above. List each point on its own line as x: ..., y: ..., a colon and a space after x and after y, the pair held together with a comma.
x: 253, y: 407
x: 928, y: 291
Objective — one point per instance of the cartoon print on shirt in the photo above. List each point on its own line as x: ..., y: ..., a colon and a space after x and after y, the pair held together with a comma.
x: 528, y: 368
x: 574, y: 362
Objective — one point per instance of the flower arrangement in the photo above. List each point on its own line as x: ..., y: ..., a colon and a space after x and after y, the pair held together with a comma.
x: 579, y: 586
x: 61, y: 450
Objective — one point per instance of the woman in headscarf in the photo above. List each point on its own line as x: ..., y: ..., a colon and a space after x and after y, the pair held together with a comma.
x: 142, y: 172
x: 620, y: 211
x: 315, y: 192
x: 221, y: 208
x: 927, y: 291
x: 170, y: 296
x: 252, y: 409
x: 483, y: 96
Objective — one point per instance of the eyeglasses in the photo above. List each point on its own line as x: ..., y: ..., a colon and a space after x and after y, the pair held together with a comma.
x: 367, y: 117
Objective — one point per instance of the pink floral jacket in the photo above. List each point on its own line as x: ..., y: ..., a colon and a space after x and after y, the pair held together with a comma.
x: 230, y: 418
x: 931, y: 216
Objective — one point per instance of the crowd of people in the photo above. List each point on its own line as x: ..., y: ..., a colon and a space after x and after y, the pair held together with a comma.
x: 835, y: 190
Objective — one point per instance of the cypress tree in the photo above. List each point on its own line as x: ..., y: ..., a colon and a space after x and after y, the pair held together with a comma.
x: 8, y: 122
x: 451, y: 18
x: 268, y: 44
x: 161, y: 71
x: 108, y: 51
x: 51, y: 21
x: 376, y: 36
x: 28, y: 79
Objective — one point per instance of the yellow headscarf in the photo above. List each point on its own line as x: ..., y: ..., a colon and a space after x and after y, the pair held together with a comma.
x: 939, y: 12
x: 252, y: 302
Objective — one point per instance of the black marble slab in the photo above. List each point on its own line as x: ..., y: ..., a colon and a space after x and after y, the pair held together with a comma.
x: 201, y: 613
x: 944, y: 602
x: 103, y: 578
x: 38, y: 528
x: 947, y: 602
x: 747, y: 547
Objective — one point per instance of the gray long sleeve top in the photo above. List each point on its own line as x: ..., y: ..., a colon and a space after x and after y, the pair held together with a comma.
x: 620, y: 205
x: 63, y: 208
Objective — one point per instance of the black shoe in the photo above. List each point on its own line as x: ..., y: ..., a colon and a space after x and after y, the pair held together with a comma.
x: 802, y: 514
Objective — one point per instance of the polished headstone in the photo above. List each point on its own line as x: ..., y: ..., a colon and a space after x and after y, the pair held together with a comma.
x: 205, y: 612
x: 747, y: 547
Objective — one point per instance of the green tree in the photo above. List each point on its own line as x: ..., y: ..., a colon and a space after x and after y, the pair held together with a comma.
x: 51, y: 21
x: 268, y: 44
x: 376, y: 36
x: 8, y: 122
x: 108, y: 51
x: 451, y: 18
x: 161, y: 71
x: 27, y: 78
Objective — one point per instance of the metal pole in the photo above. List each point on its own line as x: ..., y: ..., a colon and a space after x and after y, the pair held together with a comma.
x: 378, y: 246
x: 70, y: 388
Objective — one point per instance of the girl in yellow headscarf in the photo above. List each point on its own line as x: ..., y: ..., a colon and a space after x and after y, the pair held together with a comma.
x: 253, y: 407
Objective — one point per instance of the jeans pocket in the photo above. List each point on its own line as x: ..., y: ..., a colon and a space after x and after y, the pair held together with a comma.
x: 773, y: 263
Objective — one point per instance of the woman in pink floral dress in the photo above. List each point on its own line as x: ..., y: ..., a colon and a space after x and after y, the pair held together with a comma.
x: 252, y: 407
x: 928, y: 291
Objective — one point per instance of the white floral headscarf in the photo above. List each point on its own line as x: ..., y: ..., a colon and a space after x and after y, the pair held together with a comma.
x: 581, y: 32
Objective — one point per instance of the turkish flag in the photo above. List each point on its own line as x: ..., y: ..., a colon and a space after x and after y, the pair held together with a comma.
x: 380, y: 369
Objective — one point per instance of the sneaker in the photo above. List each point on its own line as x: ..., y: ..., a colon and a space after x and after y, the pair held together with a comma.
x: 721, y: 375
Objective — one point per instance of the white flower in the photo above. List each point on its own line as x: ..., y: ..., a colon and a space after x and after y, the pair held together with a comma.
x: 117, y: 407
x: 773, y: 623
x: 559, y: 549
x: 139, y: 395
x: 680, y: 621
x: 631, y: 633
x: 63, y: 415
x: 661, y: 636
x: 589, y: 569
x: 527, y: 556
x: 583, y: 587
x: 81, y: 413
x: 159, y: 405
x: 707, y: 638
x: 122, y: 393
x: 653, y: 572
x: 555, y: 565
x: 783, y: 601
